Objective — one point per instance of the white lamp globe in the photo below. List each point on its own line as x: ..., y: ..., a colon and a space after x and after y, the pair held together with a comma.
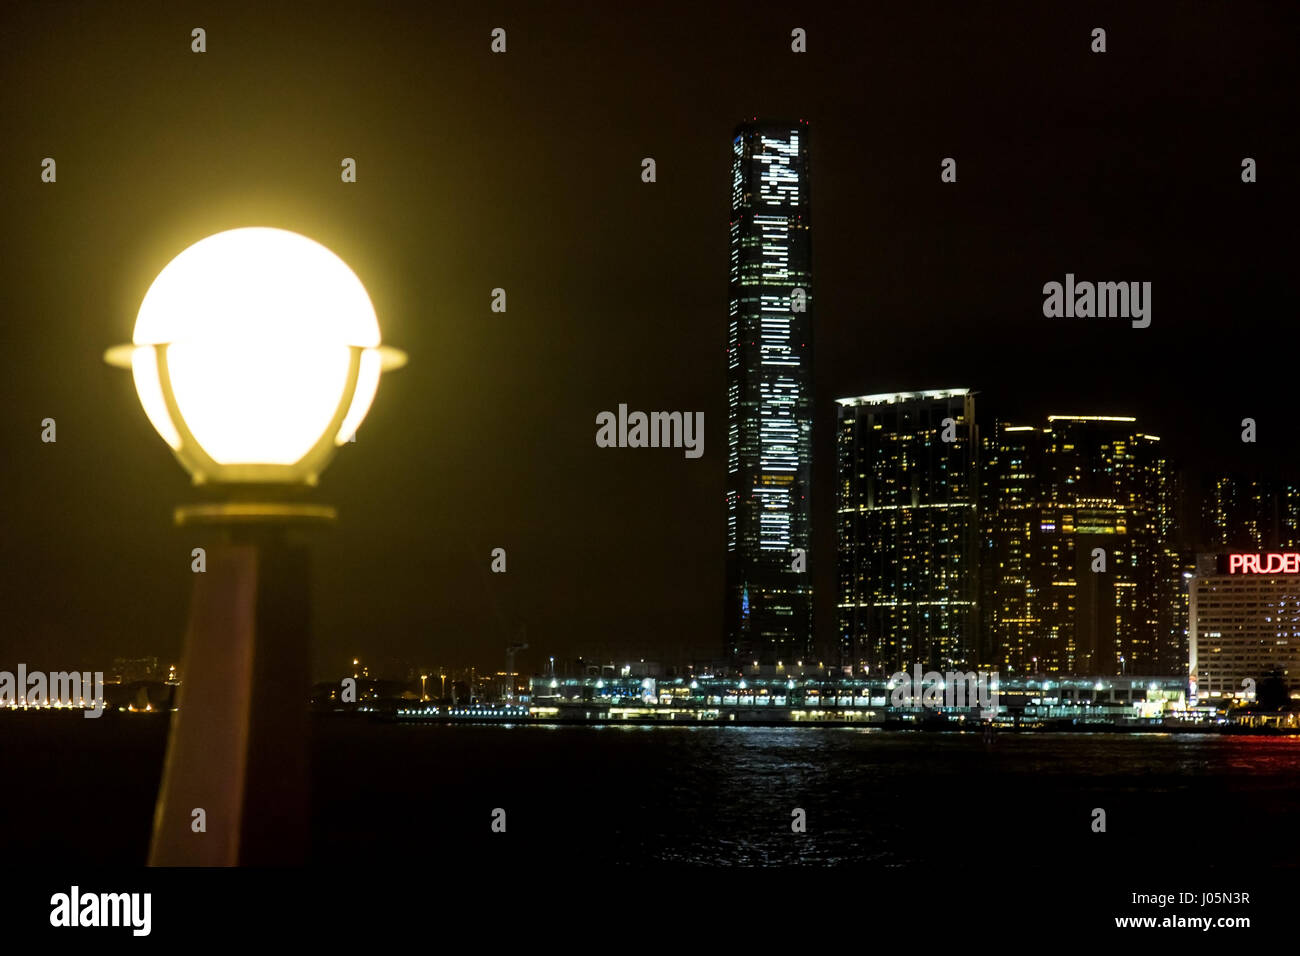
x: 255, y: 353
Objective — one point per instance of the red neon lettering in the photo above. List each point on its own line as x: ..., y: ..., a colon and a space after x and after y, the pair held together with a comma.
x: 1277, y: 562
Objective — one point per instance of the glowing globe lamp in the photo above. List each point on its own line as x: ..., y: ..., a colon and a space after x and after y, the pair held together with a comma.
x: 256, y: 352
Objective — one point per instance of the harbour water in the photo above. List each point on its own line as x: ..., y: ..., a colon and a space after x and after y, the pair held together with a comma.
x: 579, y: 796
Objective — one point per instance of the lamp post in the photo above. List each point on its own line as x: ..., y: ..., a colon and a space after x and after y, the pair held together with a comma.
x: 255, y: 354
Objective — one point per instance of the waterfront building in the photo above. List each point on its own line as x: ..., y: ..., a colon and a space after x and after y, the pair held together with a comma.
x: 1245, y: 623
x: 825, y: 696
x: 1080, y: 569
x: 768, y: 605
x: 907, y: 494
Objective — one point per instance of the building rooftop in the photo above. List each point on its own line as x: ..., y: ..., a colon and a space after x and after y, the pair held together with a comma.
x: 891, y: 398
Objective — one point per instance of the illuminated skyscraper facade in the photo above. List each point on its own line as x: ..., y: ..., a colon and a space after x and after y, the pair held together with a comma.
x: 1246, y: 512
x: 1079, y: 564
x: 769, y: 397
x: 907, y: 502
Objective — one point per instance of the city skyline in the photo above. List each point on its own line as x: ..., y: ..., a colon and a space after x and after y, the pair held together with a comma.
x: 815, y: 424
x: 1213, y: 513
x: 920, y: 284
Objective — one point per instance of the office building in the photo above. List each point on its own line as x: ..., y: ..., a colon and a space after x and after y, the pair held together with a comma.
x: 1080, y: 569
x: 1245, y: 623
x: 1244, y: 512
x: 768, y: 611
x: 907, y: 496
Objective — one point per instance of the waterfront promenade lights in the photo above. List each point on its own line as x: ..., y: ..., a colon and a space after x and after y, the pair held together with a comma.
x: 256, y: 353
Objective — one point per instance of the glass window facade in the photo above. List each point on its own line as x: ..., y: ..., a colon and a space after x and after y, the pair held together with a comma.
x: 908, y: 531
x: 1053, y: 495
x: 769, y: 396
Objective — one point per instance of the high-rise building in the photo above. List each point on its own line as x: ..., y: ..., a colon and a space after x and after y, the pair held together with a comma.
x: 908, y: 491
x: 1080, y: 568
x: 1245, y: 622
x: 769, y: 397
x: 1251, y: 512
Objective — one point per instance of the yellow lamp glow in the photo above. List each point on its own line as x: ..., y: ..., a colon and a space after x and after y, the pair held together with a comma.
x: 255, y: 352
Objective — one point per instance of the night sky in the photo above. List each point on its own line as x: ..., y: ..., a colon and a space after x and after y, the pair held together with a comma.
x: 522, y: 171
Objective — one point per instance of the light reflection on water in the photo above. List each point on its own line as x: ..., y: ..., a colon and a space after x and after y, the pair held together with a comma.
x: 580, y: 797
x: 632, y: 794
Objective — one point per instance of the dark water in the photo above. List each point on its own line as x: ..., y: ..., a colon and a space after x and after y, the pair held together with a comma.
x: 574, y: 797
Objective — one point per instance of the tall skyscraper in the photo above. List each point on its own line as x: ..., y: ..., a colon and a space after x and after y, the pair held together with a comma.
x: 907, y: 497
x: 1081, y: 571
x: 1249, y: 511
x: 769, y: 397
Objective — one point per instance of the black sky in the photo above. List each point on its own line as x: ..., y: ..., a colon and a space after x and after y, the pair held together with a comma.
x: 523, y: 171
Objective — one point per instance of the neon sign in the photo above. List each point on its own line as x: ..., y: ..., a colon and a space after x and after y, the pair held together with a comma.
x: 1275, y: 563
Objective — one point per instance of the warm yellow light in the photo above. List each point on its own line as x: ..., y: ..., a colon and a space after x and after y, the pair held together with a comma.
x: 258, y: 322
x: 255, y: 351
x: 257, y: 403
x: 367, y: 385
x: 144, y: 369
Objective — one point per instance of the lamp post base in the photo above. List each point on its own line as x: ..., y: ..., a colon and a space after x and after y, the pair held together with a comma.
x: 235, y: 787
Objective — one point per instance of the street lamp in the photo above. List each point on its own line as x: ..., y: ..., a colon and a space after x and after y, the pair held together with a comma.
x: 255, y: 353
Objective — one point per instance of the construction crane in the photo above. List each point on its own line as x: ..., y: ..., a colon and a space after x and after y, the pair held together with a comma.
x: 511, y: 649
